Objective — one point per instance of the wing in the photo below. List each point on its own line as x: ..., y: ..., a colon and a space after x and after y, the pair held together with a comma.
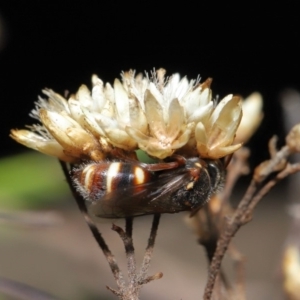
x: 148, y: 198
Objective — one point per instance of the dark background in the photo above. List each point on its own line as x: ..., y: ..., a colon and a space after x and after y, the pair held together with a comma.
x: 59, y: 45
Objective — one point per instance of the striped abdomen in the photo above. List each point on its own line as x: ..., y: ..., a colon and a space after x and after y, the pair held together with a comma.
x: 97, y: 179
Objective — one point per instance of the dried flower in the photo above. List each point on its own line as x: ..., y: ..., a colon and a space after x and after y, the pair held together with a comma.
x: 252, y: 117
x: 291, y: 271
x: 215, y: 134
x: 155, y: 114
x: 293, y: 139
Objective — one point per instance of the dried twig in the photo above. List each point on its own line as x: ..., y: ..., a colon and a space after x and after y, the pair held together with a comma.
x: 209, y: 223
x: 97, y: 235
x: 136, y: 279
x: 148, y: 254
x: 256, y: 190
x: 236, y: 168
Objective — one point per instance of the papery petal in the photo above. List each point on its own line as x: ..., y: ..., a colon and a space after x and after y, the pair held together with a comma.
x: 109, y: 93
x: 200, y: 134
x: 98, y: 94
x: 57, y: 126
x: 171, y: 88
x: 205, y: 95
x: 76, y: 110
x: 154, y: 115
x: 216, y: 153
x: 107, y: 110
x: 176, y: 119
x: 122, y: 102
x: 182, y: 89
x: 223, y: 151
x: 91, y: 125
x: 41, y: 144
x: 138, y: 89
x: 156, y: 94
x: 153, y: 149
x: 83, y: 95
x: 128, y: 79
x: 203, y: 150
x: 85, y: 118
x: 182, y: 139
x: 224, y: 126
x: 150, y: 145
x: 191, y: 101
x: 138, y: 118
x: 231, y: 112
x: 293, y: 139
x: 120, y: 138
x: 55, y: 102
x: 116, y: 135
x: 137, y: 135
x: 68, y: 133
x: 220, y: 107
x: 96, y: 81
x: 252, y: 117
x: 106, y: 122
x: 201, y: 113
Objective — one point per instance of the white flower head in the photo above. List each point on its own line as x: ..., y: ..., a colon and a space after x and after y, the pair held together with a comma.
x: 215, y: 134
x: 158, y: 115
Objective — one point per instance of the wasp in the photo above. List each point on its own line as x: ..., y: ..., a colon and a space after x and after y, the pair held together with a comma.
x: 118, y: 189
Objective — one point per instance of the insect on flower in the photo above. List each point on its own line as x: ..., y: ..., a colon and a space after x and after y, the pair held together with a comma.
x: 125, y: 189
x: 172, y: 120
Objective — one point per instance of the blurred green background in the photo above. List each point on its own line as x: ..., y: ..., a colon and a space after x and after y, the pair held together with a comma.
x: 31, y: 180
